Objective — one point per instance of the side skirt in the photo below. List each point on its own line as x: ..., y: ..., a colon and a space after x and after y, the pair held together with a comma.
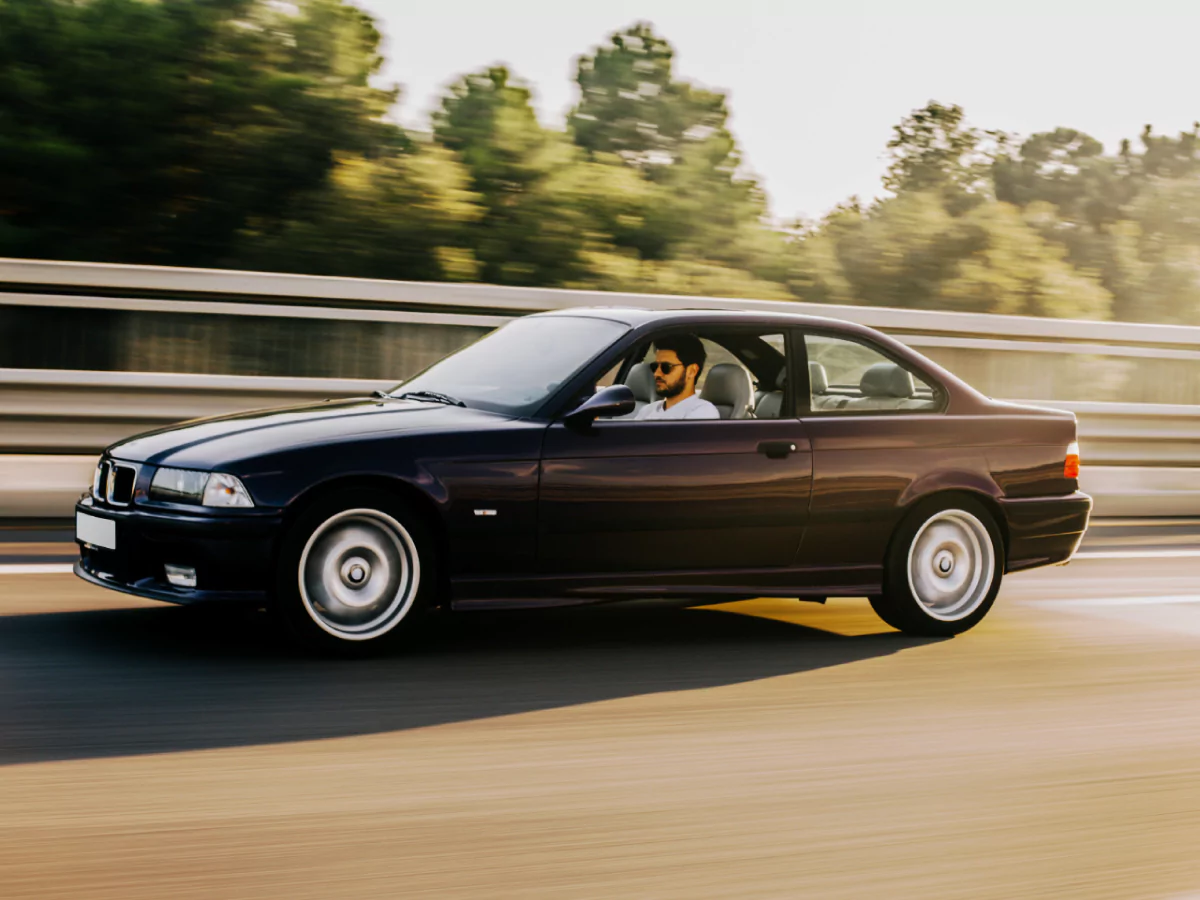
x: 528, y: 592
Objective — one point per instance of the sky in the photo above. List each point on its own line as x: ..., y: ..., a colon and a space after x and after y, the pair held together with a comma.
x: 815, y: 88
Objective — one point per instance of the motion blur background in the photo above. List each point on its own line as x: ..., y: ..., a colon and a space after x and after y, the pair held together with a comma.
x: 262, y: 135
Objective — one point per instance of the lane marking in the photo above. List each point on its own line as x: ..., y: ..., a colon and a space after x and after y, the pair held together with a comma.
x: 1163, y: 600
x: 35, y: 568
x: 1142, y: 523
x: 1138, y: 554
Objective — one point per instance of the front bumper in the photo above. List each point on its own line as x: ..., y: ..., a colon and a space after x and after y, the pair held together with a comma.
x: 1044, y: 531
x: 233, y: 555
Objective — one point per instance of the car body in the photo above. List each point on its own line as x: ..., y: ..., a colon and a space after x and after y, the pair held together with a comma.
x: 538, y: 501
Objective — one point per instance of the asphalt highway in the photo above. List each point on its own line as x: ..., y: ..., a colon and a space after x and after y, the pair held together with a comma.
x: 765, y: 749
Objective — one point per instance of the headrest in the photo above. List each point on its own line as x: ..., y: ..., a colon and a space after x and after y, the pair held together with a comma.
x: 640, y: 380
x: 770, y: 406
x: 781, y: 379
x: 887, y: 379
x: 728, y: 388
x: 818, y: 378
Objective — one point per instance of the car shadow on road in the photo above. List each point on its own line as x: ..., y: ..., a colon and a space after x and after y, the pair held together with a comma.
x: 154, y: 680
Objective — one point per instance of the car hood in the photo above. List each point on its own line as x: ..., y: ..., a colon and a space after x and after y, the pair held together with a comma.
x: 202, y: 443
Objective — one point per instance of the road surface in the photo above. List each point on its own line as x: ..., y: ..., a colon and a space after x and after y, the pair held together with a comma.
x: 766, y: 749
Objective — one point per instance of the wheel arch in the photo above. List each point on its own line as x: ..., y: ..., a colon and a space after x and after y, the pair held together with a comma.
x: 944, y: 496
x: 399, y: 489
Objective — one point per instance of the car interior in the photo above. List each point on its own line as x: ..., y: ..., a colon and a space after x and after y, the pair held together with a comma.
x: 848, y: 376
x: 737, y: 368
x: 745, y: 377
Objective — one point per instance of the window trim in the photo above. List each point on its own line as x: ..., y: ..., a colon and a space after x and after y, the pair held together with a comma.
x: 624, y: 349
x: 805, y: 400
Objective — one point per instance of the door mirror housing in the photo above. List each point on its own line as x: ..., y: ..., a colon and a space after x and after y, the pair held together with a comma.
x: 615, y: 400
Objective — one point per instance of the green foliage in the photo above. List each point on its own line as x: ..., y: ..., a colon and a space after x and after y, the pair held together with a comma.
x: 1052, y: 227
x: 630, y: 105
x: 933, y: 149
x: 1008, y: 268
x: 248, y: 133
x: 398, y: 216
x: 155, y: 131
x: 488, y: 120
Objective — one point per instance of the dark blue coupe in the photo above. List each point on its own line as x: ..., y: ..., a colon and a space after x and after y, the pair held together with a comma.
x: 826, y: 459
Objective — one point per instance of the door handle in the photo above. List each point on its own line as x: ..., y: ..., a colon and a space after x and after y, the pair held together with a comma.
x: 776, y: 449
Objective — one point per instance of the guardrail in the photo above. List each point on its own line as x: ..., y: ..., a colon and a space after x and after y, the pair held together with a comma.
x: 65, y: 412
x: 165, y: 289
x: 201, y: 320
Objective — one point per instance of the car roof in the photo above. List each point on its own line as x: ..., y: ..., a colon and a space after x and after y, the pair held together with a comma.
x: 638, y: 316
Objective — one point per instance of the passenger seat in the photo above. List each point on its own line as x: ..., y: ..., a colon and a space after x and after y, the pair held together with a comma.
x: 729, y: 389
x: 770, y: 404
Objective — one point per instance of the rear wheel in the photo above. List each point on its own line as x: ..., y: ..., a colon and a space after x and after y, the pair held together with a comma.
x: 943, y: 569
x: 355, y: 572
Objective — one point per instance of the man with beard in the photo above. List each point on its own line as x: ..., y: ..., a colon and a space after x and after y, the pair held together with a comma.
x: 678, y: 362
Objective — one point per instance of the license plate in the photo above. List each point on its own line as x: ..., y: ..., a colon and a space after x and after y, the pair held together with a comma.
x: 95, y: 531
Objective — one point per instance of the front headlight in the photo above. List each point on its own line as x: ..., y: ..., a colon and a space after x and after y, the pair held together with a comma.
x: 205, y: 488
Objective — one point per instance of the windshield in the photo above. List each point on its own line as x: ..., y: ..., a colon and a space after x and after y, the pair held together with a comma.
x: 517, y: 367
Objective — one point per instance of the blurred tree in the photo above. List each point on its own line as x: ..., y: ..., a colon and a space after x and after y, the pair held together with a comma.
x: 402, y: 216
x: 1166, y: 157
x: 911, y: 251
x: 1064, y: 167
x: 1123, y: 217
x: 153, y: 132
x: 901, y: 251
x: 631, y: 105
x: 530, y: 232
x: 933, y: 149
x: 487, y: 118
x: 815, y: 272
x: 1159, y: 253
x: 1007, y: 268
x: 248, y: 133
x: 676, y: 136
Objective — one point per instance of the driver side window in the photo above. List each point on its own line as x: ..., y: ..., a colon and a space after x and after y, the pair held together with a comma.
x: 741, y: 377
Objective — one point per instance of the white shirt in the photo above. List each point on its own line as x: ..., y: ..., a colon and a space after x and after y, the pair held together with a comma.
x: 691, y: 408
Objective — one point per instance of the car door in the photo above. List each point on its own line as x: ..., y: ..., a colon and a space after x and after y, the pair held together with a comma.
x: 875, y: 426
x: 659, y: 496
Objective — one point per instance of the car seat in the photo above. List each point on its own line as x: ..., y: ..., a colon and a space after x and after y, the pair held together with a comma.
x: 884, y: 385
x: 818, y: 382
x: 729, y: 389
x: 640, y: 380
x: 770, y: 404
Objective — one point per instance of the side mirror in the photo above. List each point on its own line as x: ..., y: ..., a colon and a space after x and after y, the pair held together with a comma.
x: 615, y: 400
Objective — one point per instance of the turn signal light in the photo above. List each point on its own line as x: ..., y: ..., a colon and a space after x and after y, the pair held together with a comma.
x: 1071, y: 466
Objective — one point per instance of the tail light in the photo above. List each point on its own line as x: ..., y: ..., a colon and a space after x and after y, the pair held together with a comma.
x: 1071, y: 465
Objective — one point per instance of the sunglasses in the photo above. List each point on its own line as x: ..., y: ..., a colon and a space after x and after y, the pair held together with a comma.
x: 666, y: 367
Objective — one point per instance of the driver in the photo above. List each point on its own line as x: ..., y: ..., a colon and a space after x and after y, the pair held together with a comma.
x: 678, y: 361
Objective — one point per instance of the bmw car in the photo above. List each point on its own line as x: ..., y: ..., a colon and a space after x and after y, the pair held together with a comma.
x: 522, y: 471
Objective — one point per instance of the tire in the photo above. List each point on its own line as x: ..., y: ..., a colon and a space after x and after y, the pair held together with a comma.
x: 356, y: 572
x: 943, y: 568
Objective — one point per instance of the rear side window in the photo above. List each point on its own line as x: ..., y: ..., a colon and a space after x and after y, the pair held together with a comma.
x: 847, y: 376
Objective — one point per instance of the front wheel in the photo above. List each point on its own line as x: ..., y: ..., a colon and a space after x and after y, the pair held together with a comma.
x: 942, y: 570
x: 355, y: 571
